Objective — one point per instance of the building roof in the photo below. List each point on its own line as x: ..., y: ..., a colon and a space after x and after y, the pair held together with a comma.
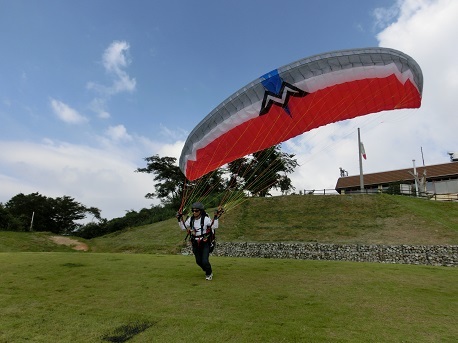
x: 433, y: 172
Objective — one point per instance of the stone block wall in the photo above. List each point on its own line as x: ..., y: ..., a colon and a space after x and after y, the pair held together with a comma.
x: 435, y: 255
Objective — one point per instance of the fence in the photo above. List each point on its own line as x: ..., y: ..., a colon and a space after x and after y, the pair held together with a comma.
x: 431, y: 196
x: 318, y: 192
x: 444, y: 197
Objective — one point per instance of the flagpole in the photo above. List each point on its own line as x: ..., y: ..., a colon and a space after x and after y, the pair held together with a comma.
x: 361, y: 178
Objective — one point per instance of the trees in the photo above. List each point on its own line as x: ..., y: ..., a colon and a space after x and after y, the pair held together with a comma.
x: 210, y: 186
x: 258, y: 174
x: 170, y: 180
x: 57, y: 215
x: 66, y: 211
x: 131, y: 219
x: 8, y: 221
x: 262, y: 171
x: 23, y: 207
x: 170, y: 186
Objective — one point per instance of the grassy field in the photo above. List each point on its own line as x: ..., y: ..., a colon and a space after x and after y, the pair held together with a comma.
x: 87, y: 297
x: 133, y: 286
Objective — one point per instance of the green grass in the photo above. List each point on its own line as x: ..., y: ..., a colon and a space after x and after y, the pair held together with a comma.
x: 133, y: 286
x: 163, y: 237
x: 371, y: 219
x: 87, y: 297
x: 29, y: 241
x: 366, y: 219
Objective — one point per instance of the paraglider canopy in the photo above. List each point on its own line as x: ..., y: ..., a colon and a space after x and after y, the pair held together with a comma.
x: 299, y: 97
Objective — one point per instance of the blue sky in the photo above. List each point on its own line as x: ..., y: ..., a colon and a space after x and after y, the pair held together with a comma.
x: 90, y: 88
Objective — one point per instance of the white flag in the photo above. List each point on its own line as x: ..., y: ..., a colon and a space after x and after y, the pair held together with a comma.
x: 363, y: 152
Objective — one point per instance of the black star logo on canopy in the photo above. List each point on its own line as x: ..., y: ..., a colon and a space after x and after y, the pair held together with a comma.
x: 281, y: 99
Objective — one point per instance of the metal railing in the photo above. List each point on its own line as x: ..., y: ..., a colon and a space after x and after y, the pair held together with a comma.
x: 318, y: 192
x: 431, y: 196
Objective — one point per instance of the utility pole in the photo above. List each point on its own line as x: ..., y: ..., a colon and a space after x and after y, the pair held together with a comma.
x: 361, y: 178
x: 415, y: 176
x: 422, y: 157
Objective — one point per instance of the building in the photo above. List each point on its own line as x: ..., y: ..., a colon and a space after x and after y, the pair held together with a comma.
x: 434, y: 180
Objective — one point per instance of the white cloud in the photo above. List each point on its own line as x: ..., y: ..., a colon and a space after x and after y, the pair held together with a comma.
x: 151, y: 148
x: 115, y: 59
x: 427, y: 31
x: 66, y: 113
x: 95, y: 177
x: 98, y: 105
x: 118, y: 133
x: 175, y: 134
x: 384, y: 16
x: 171, y: 150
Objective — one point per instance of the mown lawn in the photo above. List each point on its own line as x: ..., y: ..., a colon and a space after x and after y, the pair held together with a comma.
x: 98, y: 297
x: 133, y: 286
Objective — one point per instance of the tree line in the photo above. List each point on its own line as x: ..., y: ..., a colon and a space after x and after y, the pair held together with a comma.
x: 41, y: 213
x: 254, y: 175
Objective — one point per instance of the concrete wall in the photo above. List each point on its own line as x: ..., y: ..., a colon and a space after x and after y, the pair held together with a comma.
x: 435, y: 255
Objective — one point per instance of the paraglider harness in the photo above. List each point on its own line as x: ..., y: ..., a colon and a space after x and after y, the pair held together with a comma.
x: 209, y: 235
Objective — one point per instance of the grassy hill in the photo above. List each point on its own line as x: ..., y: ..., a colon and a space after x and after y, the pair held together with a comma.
x: 368, y: 219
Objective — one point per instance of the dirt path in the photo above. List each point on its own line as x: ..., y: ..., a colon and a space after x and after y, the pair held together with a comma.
x: 76, y: 245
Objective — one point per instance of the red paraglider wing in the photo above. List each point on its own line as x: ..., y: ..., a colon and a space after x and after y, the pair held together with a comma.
x: 300, y: 97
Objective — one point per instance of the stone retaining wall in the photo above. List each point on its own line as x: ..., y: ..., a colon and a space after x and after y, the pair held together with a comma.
x: 435, y: 255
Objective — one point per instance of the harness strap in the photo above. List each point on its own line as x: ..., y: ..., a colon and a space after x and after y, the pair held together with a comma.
x: 204, y: 235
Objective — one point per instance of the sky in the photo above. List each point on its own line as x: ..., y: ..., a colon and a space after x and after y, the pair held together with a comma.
x: 90, y: 88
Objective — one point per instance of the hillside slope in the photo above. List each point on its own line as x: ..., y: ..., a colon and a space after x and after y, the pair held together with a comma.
x: 368, y: 219
x: 365, y: 219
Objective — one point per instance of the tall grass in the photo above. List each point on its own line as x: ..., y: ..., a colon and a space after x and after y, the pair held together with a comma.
x: 86, y: 297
